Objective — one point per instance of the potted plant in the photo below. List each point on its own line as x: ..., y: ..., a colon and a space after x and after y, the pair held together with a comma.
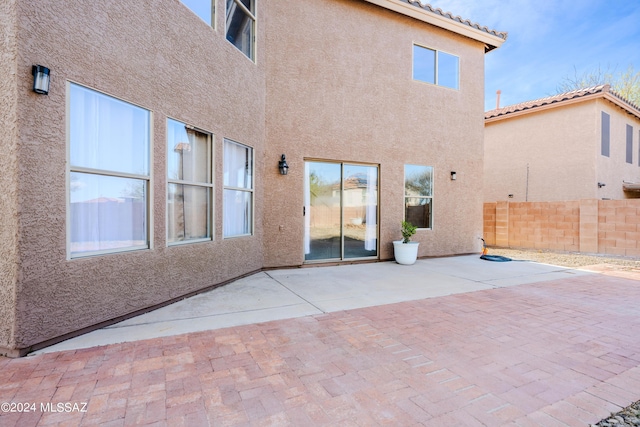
x: 405, y: 251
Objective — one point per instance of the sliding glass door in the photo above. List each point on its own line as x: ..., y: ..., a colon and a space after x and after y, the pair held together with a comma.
x: 341, y: 211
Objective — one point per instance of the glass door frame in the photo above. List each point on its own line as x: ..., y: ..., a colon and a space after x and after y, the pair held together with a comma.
x: 307, y: 212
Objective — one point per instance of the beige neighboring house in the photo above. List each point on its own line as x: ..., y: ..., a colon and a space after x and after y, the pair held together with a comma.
x: 150, y: 170
x: 583, y: 144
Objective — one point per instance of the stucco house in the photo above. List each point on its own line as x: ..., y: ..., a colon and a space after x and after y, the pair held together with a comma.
x: 583, y: 144
x: 150, y: 167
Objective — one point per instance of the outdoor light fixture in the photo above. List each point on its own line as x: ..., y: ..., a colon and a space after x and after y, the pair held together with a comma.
x: 283, y: 166
x: 40, y: 79
x: 601, y: 184
x: 453, y: 175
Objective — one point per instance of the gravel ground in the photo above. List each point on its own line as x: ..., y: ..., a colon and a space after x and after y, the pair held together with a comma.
x: 629, y: 416
x: 568, y: 259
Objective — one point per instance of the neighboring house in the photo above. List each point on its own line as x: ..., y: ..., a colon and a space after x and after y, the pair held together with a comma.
x: 150, y: 171
x: 583, y: 144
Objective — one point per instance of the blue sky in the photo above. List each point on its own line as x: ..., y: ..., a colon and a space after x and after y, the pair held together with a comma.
x: 550, y: 39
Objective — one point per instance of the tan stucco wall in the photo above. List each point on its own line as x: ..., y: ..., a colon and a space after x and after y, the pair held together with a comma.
x: 559, y: 147
x: 613, y: 170
x: 339, y: 87
x: 156, y: 54
x: 332, y: 80
x: 8, y: 171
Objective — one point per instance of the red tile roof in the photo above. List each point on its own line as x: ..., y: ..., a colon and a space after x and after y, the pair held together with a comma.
x: 502, y: 34
x: 601, y: 90
x: 492, y: 39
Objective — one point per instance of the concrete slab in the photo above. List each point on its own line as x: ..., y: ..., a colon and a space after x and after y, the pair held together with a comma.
x: 290, y: 293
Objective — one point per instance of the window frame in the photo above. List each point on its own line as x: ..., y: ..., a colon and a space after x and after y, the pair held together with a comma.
x: 253, y: 16
x: 210, y: 185
x: 426, y: 197
x: 212, y: 17
x: 436, y: 66
x: 250, y: 190
x: 71, y: 168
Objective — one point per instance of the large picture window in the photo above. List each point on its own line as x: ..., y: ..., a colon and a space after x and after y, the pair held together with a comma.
x: 189, y: 183
x: 108, y: 173
x: 418, y: 195
x: 241, y: 24
x: 435, y: 67
x: 238, y: 189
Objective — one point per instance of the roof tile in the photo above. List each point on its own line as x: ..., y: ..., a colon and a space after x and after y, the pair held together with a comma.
x: 604, y: 89
x: 502, y: 34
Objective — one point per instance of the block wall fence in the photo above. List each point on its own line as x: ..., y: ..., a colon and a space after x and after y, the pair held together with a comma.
x: 591, y: 226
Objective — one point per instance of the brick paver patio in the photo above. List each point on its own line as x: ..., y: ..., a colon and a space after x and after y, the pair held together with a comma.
x: 556, y: 353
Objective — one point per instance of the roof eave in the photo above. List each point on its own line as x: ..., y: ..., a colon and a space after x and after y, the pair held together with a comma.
x: 490, y: 41
x: 605, y: 95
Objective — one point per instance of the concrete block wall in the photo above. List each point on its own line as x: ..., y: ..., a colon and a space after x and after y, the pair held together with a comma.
x: 589, y: 226
x: 489, y: 223
x: 619, y: 227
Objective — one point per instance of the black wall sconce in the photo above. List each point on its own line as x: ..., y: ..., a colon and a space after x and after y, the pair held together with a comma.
x: 453, y: 175
x: 283, y: 166
x: 40, y: 79
x: 601, y: 184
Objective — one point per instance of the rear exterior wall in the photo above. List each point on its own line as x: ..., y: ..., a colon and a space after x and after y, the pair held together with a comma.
x: 340, y: 88
x: 332, y: 80
x: 8, y: 171
x: 158, y: 55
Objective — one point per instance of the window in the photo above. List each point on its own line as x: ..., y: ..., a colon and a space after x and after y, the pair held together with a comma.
x: 203, y: 8
x: 241, y: 23
x: 189, y: 185
x: 435, y: 67
x: 418, y: 195
x: 605, y: 134
x: 629, y: 144
x: 108, y: 174
x: 238, y: 189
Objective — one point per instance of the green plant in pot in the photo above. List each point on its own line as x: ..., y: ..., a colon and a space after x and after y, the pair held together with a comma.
x: 407, y: 230
x: 405, y: 251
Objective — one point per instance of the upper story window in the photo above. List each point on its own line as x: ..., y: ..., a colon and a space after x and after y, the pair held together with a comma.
x: 605, y: 134
x: 418, y: 195
x: 435, y: 67
x: 238, y: 189
x: 205, y: 9
x: 109, y: 151
x: 241, y: 25
x: 189, y: 186
x: 629, y: 144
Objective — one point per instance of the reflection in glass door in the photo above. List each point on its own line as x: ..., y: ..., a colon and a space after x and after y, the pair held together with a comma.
x: 341, y: 211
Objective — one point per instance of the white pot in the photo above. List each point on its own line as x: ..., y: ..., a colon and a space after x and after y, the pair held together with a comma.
x: 405, y: 253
